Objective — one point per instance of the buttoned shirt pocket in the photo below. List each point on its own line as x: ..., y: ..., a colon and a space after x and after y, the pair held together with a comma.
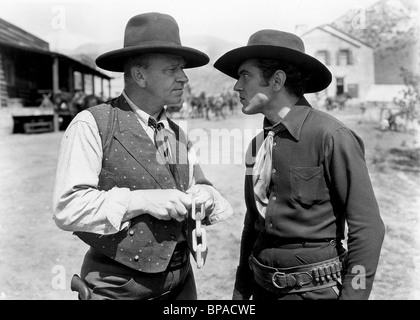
x: 307, y: 184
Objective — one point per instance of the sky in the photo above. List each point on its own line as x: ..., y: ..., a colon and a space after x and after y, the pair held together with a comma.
x: 67, y: 24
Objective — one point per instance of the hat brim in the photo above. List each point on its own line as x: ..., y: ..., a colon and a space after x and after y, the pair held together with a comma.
x: 115, y: 60
x: 320, y: 79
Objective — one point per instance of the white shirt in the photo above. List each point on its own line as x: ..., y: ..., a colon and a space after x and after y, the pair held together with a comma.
x: 144, y: 118
x: 77, y: 202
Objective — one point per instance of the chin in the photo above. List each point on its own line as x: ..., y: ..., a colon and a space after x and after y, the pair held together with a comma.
x: 248, y: 111
x: 174, y: 102
x: 245, y: 111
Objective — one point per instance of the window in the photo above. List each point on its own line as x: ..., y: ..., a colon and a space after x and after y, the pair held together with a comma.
x: 353, y: 90
x: 344, y: 57
x: 323, y: 56
x: 88, y: 80
x: 78, y: 81
x: 340, y: 86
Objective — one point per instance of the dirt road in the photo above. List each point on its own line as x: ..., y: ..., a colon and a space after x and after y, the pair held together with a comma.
x: 37, y: 259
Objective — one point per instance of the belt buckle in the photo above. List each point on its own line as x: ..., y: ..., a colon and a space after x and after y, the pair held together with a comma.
x: 274, y: 278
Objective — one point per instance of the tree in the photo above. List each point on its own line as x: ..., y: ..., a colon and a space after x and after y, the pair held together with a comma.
x: 409, y: 101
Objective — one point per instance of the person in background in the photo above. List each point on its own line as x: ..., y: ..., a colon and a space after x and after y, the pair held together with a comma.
x: 306, y: 181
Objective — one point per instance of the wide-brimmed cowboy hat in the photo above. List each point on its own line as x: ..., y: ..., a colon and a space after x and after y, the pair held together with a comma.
x: 151, y: 32
x: 278, y: 45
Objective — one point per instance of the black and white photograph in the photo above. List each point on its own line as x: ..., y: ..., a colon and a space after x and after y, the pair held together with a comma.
x: 210, y: 151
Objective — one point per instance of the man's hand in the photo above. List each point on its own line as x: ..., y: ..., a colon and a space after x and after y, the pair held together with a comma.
x: 237, y: 295
x: 162, y: 204
x: 202, y: 194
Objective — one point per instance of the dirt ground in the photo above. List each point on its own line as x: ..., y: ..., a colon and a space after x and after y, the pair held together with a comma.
x: 37, y: 259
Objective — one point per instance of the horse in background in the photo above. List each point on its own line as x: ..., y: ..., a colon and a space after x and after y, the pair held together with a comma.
x: 67, y: 103
x: 81, y: 101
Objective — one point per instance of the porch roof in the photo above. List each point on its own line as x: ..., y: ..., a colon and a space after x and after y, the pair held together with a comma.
x: 81, y: 65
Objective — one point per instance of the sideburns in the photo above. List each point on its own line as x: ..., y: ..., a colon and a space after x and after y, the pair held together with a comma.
x: 265, y: 81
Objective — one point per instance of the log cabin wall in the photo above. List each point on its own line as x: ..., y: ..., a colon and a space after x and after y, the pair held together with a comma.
x: 3, y: 88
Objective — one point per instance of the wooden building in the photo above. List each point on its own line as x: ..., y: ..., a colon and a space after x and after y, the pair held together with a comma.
x: 31, y: 75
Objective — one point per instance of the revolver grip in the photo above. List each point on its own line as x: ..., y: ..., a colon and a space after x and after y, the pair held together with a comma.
x: 78, y: 285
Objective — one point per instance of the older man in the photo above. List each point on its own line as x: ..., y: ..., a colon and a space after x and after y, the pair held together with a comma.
x: 127, y: 176
x: 306, y: 179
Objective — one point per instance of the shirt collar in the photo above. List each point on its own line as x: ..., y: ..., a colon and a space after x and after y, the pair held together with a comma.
x: 144, y: 116
x: 294, y: 119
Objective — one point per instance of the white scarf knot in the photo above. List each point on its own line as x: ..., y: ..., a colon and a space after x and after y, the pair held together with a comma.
x: 261, y: 176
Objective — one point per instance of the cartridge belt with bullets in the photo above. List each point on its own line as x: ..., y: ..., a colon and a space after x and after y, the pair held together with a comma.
x: 303, y: 278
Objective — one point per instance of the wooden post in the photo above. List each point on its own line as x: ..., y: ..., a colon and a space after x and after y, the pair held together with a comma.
x: 1, y: 77
x: 93, y: 85
x: 102, y: 88
x: 70, y: 79
x: 56, y: 85
x: 83, y: 81
x: 56, y: 90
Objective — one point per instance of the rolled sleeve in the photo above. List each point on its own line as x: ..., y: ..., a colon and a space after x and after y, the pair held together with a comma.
x: 118, y: 200
x: 77, y: 202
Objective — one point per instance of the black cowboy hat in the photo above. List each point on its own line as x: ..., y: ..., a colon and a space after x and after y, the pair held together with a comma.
x: 151, y: 33
x: 278, y: 45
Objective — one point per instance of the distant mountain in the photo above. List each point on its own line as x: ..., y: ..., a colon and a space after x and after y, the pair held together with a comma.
x: 95, y: 49
x: 392, y: 28
x: 206, y: 78
x: 214, y: 47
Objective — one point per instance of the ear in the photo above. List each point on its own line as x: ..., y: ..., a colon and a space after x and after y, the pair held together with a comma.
x: 137, y: 73
x: 279, y: 79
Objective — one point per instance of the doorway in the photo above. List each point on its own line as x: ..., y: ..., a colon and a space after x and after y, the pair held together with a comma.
x: 340, y: 86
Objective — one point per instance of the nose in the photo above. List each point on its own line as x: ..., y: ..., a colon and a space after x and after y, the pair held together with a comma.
x: 182, y: 77
x: 237, y: 87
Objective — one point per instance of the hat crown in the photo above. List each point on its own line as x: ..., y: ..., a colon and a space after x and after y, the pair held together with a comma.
x: 277, y: 38
x: 151, y: 28
x: 150, y: 33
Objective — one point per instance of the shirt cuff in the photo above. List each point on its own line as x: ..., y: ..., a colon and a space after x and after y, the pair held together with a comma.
x: 118, y: 201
